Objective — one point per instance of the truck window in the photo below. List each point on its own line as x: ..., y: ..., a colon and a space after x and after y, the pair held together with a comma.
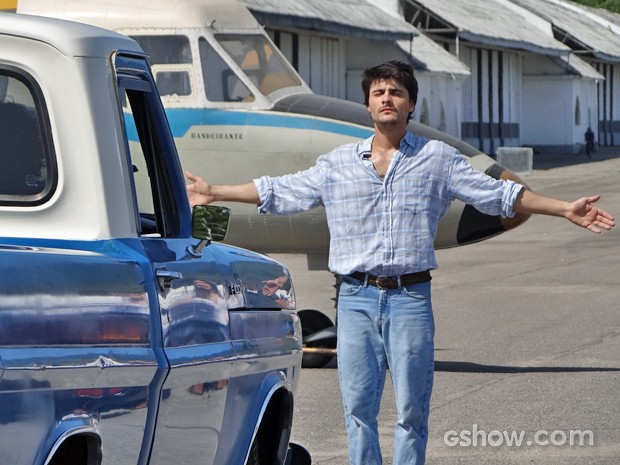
x: 27, y: 174
x: 149, y: 145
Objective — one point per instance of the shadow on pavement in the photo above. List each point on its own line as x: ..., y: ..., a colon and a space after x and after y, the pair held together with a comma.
x: 469, y: 367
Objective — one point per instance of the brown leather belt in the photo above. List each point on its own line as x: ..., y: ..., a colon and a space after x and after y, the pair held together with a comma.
x: 392, y: 282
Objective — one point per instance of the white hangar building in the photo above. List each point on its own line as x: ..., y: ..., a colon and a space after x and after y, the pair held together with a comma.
x: 525, y: 86
x: 594, y: 36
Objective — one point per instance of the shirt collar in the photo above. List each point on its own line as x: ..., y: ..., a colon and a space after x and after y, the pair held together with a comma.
x: 365, y: 146
x: 408, y: 142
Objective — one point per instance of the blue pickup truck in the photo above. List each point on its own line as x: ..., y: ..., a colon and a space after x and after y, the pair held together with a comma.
x: 128, y: 335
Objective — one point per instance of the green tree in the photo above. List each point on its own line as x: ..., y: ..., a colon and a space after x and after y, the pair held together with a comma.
x: 611, y: 5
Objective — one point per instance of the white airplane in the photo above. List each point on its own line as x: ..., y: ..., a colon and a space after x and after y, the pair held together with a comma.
x: 238, y: 110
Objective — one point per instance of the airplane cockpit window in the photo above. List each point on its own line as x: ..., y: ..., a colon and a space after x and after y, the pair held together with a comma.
x: 173, y: 82
x: 259, y: 61
x: 221, y: 83
x: 170, y: 57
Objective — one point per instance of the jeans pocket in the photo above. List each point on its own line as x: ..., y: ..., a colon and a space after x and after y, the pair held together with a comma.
x: 349, y: 287
x: 419, y: 292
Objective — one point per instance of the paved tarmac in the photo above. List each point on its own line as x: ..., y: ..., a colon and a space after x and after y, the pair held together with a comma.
x: 527, y: 341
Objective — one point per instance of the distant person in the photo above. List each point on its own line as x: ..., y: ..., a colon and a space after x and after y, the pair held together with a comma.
x: 384, y: 197
x: 589, y: 137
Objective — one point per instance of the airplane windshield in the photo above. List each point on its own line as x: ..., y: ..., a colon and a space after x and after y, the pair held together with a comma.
x: 221, y: 83
x: 170, y: 57
x: 259, y: 61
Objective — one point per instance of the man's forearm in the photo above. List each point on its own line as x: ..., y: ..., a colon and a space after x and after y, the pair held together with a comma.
x: 245, y: 193
x: 581, y: 212
x: 531, y: 203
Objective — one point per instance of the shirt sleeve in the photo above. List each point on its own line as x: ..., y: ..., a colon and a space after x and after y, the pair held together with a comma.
x: 491, y: 196
x: 292, y: 193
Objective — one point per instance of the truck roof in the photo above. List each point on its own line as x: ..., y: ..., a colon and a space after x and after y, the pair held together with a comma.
x: 70, y: 38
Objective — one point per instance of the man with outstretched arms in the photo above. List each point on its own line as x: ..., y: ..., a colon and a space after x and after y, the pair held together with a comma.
x: 384, y: 197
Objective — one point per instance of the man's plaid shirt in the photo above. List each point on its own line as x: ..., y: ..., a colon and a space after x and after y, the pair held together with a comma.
x: 386, y: 226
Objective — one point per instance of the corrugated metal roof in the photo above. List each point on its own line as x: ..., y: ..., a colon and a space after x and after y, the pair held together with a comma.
x: 578, y: 66
x: 585, y: 27
x: 356, y: 18
x: 613, y: 18
x: 495, y: 23
x: 430, y: 57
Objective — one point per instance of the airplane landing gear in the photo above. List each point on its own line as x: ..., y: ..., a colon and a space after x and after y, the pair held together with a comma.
x: 319, y: 338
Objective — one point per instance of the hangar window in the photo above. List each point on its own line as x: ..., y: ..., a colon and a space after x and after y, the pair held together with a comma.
x: 28, y: 175
x: 424, y: 113
x: 442, y: 118
x: 577, y: 112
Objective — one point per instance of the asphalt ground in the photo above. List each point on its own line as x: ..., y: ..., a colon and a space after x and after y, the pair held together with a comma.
x: 527, y: 340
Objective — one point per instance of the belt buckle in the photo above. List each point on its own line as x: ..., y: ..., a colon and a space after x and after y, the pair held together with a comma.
x: 387, y: 282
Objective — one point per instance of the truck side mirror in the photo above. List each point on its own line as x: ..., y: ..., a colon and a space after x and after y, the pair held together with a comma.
x: 209, y: 222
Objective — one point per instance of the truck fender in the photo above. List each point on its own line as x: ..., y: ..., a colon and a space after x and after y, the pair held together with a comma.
x: 276, y: 415
x: 66, y: 432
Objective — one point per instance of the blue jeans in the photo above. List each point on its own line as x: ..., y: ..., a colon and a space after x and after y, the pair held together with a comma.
x: 380, y: 329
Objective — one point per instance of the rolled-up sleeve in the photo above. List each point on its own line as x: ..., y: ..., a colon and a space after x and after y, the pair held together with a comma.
x: 489, y: 195
x: 264, y: 187
x: 511, y: 192
x: 291, y: 193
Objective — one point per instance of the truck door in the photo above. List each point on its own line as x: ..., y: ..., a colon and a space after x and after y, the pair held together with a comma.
x: 190, y: 291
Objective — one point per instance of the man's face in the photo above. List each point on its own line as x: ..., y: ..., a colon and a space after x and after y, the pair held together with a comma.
x: 389, y: 103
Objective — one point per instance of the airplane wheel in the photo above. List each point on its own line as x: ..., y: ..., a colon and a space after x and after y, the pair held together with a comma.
x: 311, y: 322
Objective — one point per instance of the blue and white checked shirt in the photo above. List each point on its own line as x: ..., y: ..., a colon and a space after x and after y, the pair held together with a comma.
x: 386, y: 227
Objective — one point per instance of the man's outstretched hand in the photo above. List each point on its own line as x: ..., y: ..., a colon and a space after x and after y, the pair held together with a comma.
x: 198, y: 191
x: 583, y: 213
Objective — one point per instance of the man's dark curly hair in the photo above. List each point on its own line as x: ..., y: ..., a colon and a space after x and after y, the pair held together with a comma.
x: 399, y: 71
